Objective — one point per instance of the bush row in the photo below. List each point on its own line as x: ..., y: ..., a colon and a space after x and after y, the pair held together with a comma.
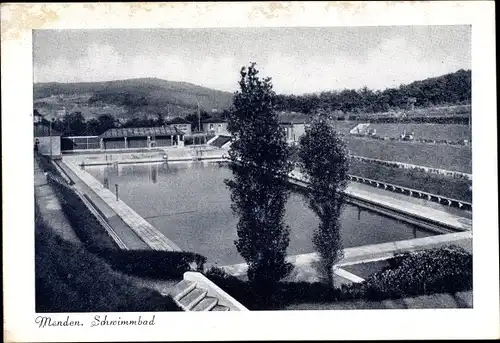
x: 165, y: 265
x: 70, y: 279
x: 88, y: 229
x: 46, y: 164
x: 441, y: 270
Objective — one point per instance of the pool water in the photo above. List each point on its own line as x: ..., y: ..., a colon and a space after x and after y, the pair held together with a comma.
x: 190, y: 204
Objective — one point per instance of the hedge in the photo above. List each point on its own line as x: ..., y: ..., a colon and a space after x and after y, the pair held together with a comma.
x: 46, y: 163
x: 163, y: 265
x: 70, y: 279
x: 440, y: 270
x: 88, y: 229
x: 285, y: 293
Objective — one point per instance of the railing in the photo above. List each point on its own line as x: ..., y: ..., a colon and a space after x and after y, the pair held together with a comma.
x: 413, y: 192
x: 452, y: 173
x: 80, y: 143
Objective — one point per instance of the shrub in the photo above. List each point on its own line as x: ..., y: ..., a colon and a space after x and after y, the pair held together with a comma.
x: 442, y: 270
x: 153, y: 264
x: 46, y: 164
x: 286, y: 292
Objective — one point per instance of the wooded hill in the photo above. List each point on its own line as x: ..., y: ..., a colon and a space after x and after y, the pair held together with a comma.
x: 449, y: 89
x: 145, y: 94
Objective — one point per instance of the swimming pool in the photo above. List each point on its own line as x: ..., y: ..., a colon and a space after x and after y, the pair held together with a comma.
x: 190, y: 204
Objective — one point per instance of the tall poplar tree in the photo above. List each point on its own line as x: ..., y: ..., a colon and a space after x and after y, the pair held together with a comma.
x: 324, y: 161
x: 260, y: 165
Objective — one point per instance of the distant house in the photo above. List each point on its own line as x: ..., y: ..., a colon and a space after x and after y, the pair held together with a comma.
x: 37, y: 117
x: 215, y: 125
x: 294, y: 124
x: 181, y: 124
x: 141, y: 137
x: 47, y: 141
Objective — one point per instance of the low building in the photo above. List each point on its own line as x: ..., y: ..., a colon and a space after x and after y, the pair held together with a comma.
x: 181, y: 124
x: 294, y: 124
x: 141, y: 137
x: 215, y: 126
x: 47, y: 141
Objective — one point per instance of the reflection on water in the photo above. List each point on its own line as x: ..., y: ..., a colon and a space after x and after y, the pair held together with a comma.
x: 189, y: 203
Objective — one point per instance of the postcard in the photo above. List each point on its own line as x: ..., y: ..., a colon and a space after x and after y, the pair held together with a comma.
x: 318, y: 171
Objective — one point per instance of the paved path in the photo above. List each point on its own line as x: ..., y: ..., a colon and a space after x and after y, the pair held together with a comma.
x: 126, y: 234
x: 408, y: 205
x: 411, y: 200
x: 304, y: 265
x: 148, y: 233
x: 50, y: 207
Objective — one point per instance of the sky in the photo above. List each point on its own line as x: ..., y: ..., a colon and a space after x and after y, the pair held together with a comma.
x: 299, y: 60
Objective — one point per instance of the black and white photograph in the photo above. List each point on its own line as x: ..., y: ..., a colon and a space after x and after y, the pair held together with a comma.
x: 258, y: 169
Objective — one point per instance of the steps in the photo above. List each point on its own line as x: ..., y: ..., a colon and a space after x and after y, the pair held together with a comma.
x: 220, y: 141
x: 191, y: 297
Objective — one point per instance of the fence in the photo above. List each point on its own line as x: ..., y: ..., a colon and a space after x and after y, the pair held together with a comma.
x: 72, y: 143
x: 413, y: 192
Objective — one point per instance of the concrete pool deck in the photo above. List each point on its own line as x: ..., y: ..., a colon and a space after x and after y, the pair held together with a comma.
x: 148, y: 233
x: 403, y: 204
x: 304, y: 264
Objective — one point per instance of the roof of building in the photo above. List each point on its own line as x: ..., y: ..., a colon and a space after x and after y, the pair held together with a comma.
x: 293, y: 118
x: 42, y: 130
x: 214, y: 119
x: 178, y: 120
x: 141, y: 132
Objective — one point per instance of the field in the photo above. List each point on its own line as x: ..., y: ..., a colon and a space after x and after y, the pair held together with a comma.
x: 449, y: 157
x: 343, y: 127
x: 436, y: 111
x: 432, y: 183
x: 450, y: 132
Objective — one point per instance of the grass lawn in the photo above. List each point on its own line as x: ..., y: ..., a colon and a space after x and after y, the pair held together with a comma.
x: 445, y: 300
x: 427, y: 182
x: 450, y: 132
x: 449, y: 157
x: 70, y: 279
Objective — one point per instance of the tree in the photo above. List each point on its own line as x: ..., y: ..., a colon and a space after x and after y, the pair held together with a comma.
x: 259, y: 190
x: 74, y: 124
x: 160, y: 120
x: 100, y: 125
x: 193, y: 119
x: 324, y: 161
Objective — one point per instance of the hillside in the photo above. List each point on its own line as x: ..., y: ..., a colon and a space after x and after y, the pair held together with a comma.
x: 124, y: 98
x: 450, y: 89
